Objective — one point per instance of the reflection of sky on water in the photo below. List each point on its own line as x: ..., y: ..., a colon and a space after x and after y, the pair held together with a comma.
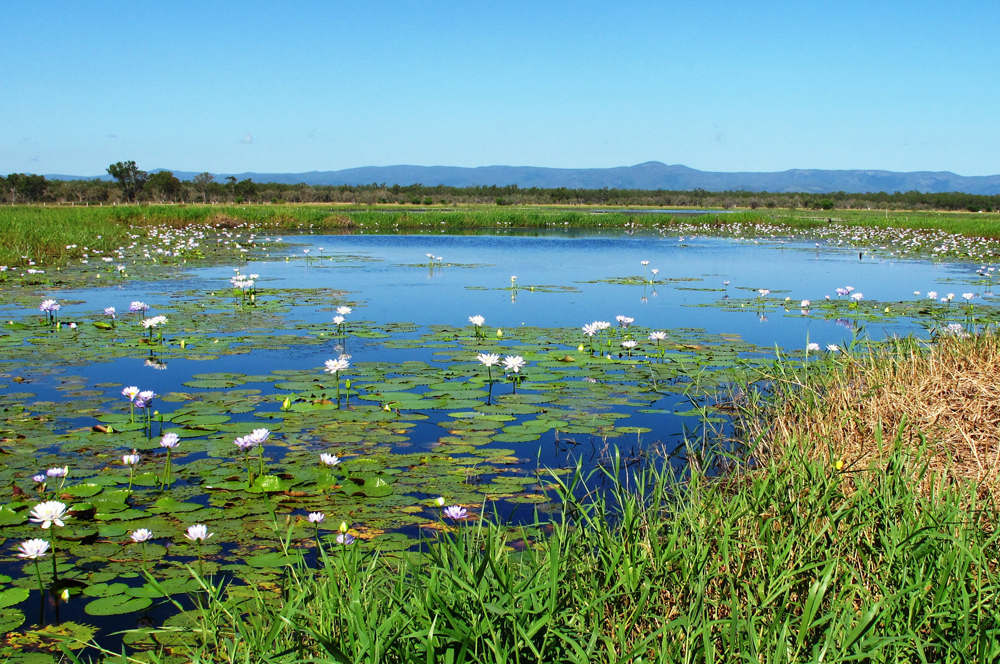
x: 388, y: 289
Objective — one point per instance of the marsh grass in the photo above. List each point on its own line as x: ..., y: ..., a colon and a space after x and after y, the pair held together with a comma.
x: 42, y: 233
x: 944, y: 392
x: 789, y: 561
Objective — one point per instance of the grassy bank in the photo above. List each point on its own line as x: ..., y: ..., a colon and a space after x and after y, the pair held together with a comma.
x: 802, y: 552
x: 42, y: 234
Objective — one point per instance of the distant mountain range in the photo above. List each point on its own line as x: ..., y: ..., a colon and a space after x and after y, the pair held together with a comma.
x: 649, y: 175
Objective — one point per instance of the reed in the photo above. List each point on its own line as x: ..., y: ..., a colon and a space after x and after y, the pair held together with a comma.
x: 939, y: 396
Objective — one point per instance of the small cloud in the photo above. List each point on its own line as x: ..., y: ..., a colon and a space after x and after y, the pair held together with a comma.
x: 111, y: 135
x: 247, y: 139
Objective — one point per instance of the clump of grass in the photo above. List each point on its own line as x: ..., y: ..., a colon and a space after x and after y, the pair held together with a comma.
x: 789, y: 561
x: 945, y: 391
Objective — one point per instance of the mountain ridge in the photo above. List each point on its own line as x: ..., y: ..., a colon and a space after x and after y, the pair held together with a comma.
x: 648, y: 175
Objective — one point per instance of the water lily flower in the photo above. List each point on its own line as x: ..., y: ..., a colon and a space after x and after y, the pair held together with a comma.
x: 590, y: 329
x: 968, y: 296
x: 440, y: 501
x: 514, y: 363
x: 335, y: 366
x: 624, y: 321
x: 145, y: 399
x: 131, y: 459
x: 33, y: 549
x: 657, y: 336
x: 857, y: 297
x: 141, y: 535
x: 245, y: 443
x: 931, y: 295
x: 812, y: 346
x: 338, y: 320
x: 343, y: 311
x: 477, y: 320
x: 57, y: 472
x: 259, y: 436
x: 198, y: 533
x: 345, y: 538
x: 329, y: 460
x: 630, y: 344
x: 833, y: 348
x: 456, y: 512
x: 131, y: 392
x: 805, y: 304
x: 49, y: 512
x: 153, y: 322
x: 138, y: 306
x: 170, y: 440
x: 39, y: 479
x: 316, y: 517
x: 109, y: 311
x: 49, y: 306
x: 499, y: 333
x: 488, y: 359
x: 763, y: 292
x: 602, y: 324
x: 644, y: 263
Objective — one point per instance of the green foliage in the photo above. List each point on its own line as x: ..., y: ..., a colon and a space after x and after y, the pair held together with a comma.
x: 164, y: 185
x: 791, y: 562
x: 129, y: 177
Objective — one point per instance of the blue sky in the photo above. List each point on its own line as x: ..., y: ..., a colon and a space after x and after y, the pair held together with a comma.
x: 300, y: 86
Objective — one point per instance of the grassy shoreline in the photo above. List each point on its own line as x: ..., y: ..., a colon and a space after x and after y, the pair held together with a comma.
x: 44, y: 234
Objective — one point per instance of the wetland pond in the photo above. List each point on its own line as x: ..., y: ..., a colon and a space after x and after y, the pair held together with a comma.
x: 277, y: 411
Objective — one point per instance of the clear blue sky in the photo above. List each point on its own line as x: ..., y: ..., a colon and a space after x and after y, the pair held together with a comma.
x: 300, y: 86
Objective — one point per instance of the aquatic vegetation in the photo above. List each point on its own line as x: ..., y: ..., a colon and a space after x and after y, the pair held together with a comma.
x: 420, y: 420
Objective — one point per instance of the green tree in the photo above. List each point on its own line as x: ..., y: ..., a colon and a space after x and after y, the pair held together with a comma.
x: 164, y: 185
x: 129, y: 177
x: 26, y: 188
x: 202, y: 180
x: 245, y: 189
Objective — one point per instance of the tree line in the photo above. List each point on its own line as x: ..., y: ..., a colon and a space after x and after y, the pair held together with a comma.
x: 132, y: 185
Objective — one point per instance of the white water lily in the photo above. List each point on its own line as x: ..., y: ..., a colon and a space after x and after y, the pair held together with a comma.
x: 198, y: 533
x: 141, y: 535
x: 49, y: 512
x: 330, y: 460
x: 514, y: 363
x: 33, y: 549
x: 488, y: 359
x: 477, y: 320
x: 333, y: 366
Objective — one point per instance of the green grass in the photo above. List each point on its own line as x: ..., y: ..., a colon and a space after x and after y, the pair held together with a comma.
x: 42, y: 233
x: 775, y: 564
x: 959, y: 223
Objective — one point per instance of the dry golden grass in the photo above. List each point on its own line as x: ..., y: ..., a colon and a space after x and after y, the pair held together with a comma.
x: 947, y: 391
